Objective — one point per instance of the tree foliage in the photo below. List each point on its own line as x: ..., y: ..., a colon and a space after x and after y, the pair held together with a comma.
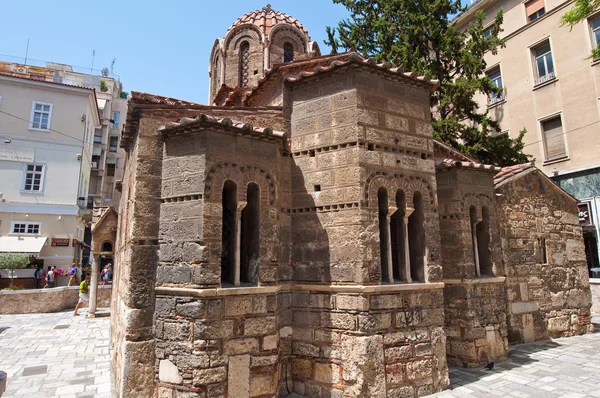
x: 13, y: 260
x: 581, y: 10
x: 418, y: 36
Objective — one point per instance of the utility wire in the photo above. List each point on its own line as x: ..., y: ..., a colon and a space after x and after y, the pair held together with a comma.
x: 565, y: 133
x: 54, y: 131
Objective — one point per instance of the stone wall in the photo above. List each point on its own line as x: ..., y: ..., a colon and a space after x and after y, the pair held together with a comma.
x: 547, y: 284
x: 595, y: 289
x: 47, y: 300
x: 474, y: 296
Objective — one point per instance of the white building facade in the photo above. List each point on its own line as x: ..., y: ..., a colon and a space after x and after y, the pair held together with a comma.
x: 46, y: 149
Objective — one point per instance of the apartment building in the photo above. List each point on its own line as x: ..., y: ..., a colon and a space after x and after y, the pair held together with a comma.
x: 46, y: 146
x: 552, y: 89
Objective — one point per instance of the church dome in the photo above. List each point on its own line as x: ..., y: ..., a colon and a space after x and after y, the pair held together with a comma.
x: 266, y: 18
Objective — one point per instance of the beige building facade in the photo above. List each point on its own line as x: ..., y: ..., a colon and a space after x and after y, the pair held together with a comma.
x: 552, y: 89
x: 46, y: 131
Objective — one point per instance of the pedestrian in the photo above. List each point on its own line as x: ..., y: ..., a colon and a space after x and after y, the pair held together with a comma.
x: 73, y: 280
x: 106, y: 274
x: 49, y: 277
x: 84, y: 291
x: 37, y: 275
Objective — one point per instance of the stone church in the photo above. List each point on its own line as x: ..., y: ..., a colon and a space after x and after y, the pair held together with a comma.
x: 306, y: 234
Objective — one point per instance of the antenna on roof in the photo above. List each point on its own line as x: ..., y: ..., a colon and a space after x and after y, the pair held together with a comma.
x: 112, y: 66
x: 93, y: 56
x: 26, y: 51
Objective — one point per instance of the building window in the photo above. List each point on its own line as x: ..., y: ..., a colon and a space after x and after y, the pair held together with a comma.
x: 34, y: 177
x: 98, y: 139
x: 110, y: 169
x: 496, y: 77
x: 288, y: 52
x: 107, y: 247
x: 25, y: 228
x: 41, y: 114
x: 544, y: 66
x: 554, y: 140
x: 416, y: 239
x: 115, y: 120
x: 534, y: 9
x: 244, y: 66
x: 595, y: 26
x: 483, y: 243
x: 228, y: 233
x: 113, y: 144
x: 384, y: 240
x: 250, y: 236
x: 95, y: 161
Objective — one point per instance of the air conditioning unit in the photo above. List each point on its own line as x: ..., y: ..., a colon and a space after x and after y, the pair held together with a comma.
x: 22, y: 70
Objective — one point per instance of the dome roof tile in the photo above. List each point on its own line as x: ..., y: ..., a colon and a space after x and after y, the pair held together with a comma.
x: 266, y: 18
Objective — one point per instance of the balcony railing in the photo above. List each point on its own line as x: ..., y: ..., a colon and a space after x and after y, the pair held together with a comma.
x: 495, y: 100
x: 546, y: 78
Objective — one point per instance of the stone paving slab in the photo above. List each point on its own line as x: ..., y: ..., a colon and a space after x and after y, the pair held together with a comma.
x: 55, y: 355
x: 567, y: 367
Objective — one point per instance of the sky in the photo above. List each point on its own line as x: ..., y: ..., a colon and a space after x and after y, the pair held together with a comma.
x: 160, y: 47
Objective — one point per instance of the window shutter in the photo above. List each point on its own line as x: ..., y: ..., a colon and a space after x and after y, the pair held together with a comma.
x: 533, y: 6
x: 554, y: 139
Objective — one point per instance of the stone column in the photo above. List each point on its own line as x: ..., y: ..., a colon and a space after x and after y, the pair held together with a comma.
x: 407, y: 214
x: 238, y: 241
x: 267, y: 55
x: 388, y: 232
x: 93, y: 287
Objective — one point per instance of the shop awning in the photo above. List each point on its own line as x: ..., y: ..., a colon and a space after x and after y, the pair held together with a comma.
x: 22, y: 244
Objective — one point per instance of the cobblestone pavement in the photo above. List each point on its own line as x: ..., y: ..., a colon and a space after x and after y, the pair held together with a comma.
x: 567, y: 367
x: 58, y: 355
x: 55, y: 355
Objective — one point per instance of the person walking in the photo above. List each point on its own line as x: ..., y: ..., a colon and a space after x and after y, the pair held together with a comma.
x: 37, y: 276
x: 84, y: 293
x: 50, y: 277
x: 73, y: 280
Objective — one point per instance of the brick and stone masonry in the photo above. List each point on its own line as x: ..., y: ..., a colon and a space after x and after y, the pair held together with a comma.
x: 320, y: 241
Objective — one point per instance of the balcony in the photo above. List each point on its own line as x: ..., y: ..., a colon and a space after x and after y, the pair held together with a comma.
x: 544, y: 79
x: 495, y: 100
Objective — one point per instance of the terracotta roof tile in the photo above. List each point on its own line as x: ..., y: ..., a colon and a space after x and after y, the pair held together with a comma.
x: 153, y: 99
x: 187, y: 122
x: 507, y: 173
x: 266, y: 19
x: 450, y: 163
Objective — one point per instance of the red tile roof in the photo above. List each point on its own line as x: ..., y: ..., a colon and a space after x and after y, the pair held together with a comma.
x: 266, y: 18
x: 153, y: 99
x: 450, y: 163
x: 246, y: 128
x: 506, y: 173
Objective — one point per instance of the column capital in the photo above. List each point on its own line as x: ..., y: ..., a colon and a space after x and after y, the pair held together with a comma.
x: 241, y: 206
x: 407, y: 212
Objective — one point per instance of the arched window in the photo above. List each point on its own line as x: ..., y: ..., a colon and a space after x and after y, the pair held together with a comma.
x: 250, y: 236
x: 216, y: 75
x: 416, y: 239
x: 288, y: 52
x: 382, y: 204
x: 398, y: 239
x: 473, y: 223
x: 483, y: 243
x: 244, y: 66
x: 107, y: 247
x: 228, y: 234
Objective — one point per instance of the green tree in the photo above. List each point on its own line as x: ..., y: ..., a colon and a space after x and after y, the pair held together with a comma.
x: 418, y: 36
x: 13, y: 261
x: 581, y: 10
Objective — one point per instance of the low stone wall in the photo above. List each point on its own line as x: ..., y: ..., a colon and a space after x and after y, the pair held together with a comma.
x: 595, y: 288
x: 46, y: 300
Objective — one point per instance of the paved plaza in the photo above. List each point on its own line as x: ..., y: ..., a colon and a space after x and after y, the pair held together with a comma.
x: 58, y: 355
x: 55, y: 355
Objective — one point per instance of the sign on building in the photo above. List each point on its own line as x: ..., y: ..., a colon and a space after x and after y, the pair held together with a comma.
x: 585, y: 214
x: 16, y: 153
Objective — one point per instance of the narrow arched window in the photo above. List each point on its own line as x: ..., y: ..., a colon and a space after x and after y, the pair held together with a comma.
x: 483, y: 243
x: 382, y: 205
x: 473, y: 225
x: 228, y: 233
x: 216, y: 75
x: 416, y: 239
x: 250, y: 238
x: 288, y: 52
x: 398, y: 239
x: 107, y: 247
x: 244, y: 66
